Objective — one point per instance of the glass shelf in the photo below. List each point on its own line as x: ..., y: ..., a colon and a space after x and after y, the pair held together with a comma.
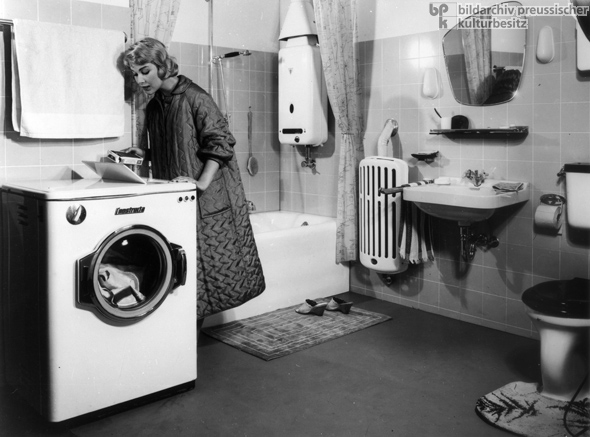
x: 514, y: 131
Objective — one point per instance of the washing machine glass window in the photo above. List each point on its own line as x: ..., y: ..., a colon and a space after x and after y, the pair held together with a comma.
x: 130, y: 274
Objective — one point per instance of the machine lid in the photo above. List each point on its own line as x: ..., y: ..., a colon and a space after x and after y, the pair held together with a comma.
x: 77, y: 189
x: 567, y: 299
x: 577, y: 167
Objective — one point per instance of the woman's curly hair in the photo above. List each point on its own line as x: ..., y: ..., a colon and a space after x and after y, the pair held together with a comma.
x: 150, y: 50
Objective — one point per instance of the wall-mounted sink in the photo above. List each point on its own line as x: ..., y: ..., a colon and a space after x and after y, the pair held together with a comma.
x: 458, y: 199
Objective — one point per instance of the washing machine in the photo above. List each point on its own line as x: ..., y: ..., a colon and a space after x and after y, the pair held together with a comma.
x: 98, y: 292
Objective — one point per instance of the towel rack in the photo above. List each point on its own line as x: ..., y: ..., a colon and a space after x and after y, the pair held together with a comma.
x: 8, y: 22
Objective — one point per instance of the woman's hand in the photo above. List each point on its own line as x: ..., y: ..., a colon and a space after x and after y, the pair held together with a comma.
x: 205, y: 179
x: 207, y: 175
x: 184, y: 179
x: 200, y: 185
x: 139, y: 152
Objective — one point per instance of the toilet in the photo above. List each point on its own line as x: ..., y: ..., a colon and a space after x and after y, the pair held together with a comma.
x: 560, y: 310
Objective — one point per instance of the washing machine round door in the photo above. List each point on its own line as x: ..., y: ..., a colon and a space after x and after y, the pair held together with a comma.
x: 130, y: 274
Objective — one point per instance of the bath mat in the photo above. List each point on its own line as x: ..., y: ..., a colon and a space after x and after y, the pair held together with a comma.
x: 282, y: 332
x: 518, y: 407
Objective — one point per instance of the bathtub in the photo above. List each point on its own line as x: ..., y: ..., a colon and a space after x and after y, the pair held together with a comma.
x: 297, y: 252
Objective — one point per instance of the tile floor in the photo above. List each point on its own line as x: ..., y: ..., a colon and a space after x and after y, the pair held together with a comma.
x: 418, y: 374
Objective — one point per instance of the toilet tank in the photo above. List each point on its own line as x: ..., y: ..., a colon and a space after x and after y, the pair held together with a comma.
x: 577, y: 181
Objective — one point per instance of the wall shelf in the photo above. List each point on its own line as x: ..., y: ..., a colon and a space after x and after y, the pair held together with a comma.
x: 509, y: 132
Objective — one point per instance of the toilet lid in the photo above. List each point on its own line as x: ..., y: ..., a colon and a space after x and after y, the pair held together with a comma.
x: 567, y: 299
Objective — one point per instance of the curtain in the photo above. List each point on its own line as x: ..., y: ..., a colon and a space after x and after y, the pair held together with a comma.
x: 156, y: 19
x: 337, y: 33
x: 477, y: 46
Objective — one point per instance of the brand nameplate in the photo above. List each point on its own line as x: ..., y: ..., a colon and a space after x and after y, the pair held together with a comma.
x: 122, y: 211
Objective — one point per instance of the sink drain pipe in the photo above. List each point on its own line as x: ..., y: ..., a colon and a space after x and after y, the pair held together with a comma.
x: 470, y: 241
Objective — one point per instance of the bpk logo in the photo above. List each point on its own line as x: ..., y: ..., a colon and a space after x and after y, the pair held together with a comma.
x: 446, y: 13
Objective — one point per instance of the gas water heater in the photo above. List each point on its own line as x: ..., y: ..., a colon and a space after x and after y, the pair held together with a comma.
x: 303, y: 100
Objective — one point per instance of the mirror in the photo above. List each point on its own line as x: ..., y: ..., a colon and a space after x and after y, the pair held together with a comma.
x: 485, y: 61
x: 584, y: 20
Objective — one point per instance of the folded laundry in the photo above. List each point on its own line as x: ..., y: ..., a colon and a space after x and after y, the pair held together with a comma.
x: 508, y: 187
x: 118, y: 286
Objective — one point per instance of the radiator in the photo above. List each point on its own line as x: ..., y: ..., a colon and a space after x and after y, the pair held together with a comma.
x: 379, y: 214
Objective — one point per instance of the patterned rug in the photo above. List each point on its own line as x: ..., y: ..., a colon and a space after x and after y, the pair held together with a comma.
x: 518, y: 407
x: 282, y: 332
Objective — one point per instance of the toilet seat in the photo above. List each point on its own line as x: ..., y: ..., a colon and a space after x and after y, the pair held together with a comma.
x: 562, y: 299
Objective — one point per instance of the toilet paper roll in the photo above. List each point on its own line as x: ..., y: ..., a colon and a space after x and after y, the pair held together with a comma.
x: 548, y: 217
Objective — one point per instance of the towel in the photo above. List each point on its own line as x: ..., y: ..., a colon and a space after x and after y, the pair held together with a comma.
x: 508, y: 187
x: 66, y: 83
x: 119, y: 286
x: 415, y: 235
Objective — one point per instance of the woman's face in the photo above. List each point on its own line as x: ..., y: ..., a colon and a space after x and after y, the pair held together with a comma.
x: 147, y: 78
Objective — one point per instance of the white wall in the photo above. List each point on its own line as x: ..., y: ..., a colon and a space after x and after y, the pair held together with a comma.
x: 248, y: 24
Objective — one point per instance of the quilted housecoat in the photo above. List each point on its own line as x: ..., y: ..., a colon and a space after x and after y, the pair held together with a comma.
x: 185, y: 129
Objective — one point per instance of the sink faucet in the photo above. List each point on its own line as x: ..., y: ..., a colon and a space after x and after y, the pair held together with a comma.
x: 476, y: 177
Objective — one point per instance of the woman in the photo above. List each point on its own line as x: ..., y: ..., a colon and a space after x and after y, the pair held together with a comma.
x: 189, y: 140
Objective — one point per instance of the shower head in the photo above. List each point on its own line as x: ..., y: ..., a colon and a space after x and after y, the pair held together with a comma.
x: 232, y: 55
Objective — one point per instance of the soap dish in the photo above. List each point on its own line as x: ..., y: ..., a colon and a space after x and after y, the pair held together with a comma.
x: 425, y: 156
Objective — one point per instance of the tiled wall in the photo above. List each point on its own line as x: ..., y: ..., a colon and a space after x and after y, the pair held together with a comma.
x: 307, y: 190
x: 554, y: 101
x: 250, y: 84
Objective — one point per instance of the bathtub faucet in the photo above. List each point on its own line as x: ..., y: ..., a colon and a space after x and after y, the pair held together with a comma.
x: 251, y: 206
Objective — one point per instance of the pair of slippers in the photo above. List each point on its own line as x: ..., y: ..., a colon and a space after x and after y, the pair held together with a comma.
x: 312, y: 307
